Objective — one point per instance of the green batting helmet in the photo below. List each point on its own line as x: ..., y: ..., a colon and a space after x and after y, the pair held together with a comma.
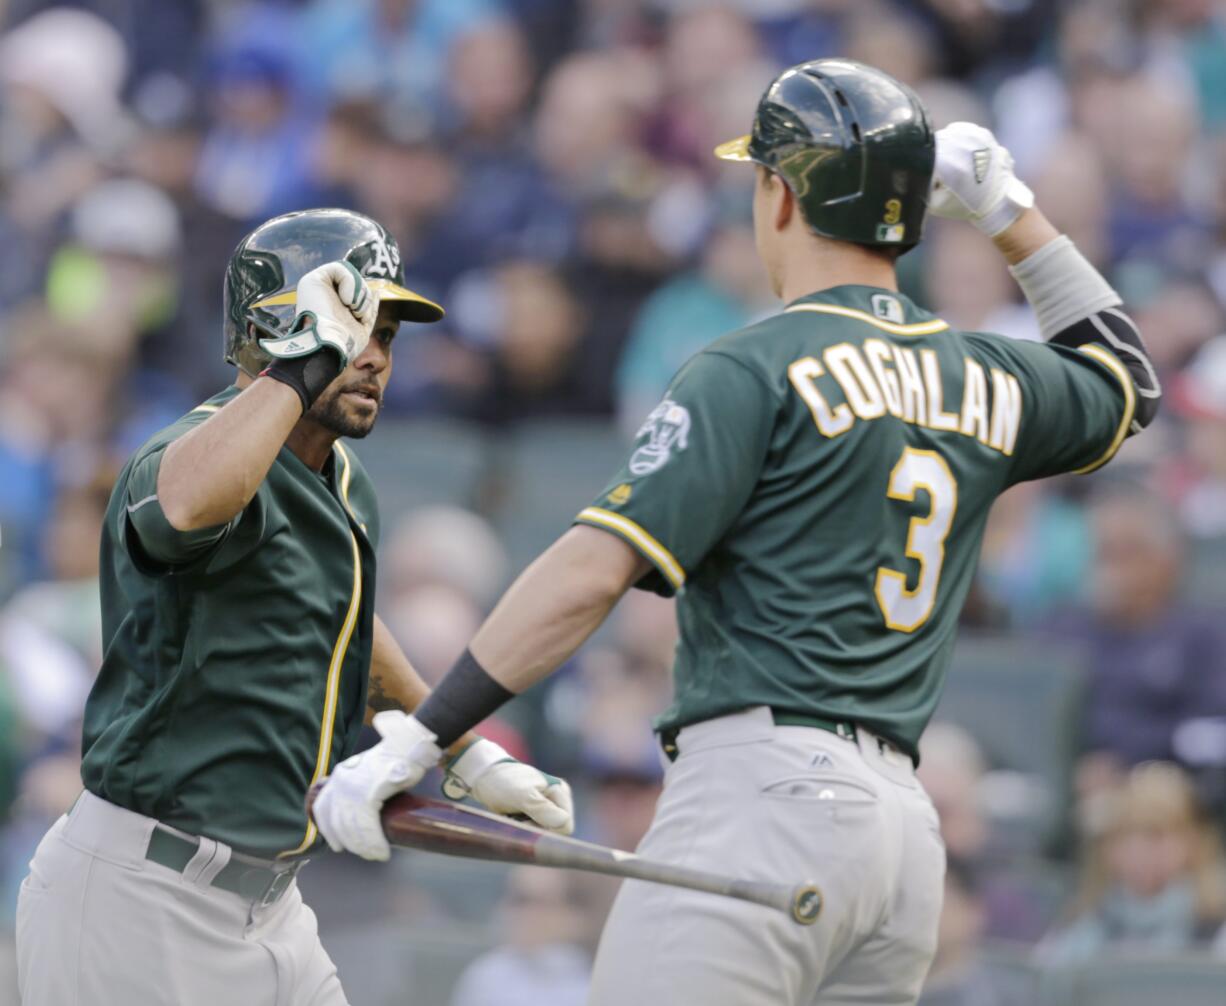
x: 262, y: 277
x: 854, y: 146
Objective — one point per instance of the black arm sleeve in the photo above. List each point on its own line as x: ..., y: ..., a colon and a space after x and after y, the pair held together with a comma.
x: 1112, y: 329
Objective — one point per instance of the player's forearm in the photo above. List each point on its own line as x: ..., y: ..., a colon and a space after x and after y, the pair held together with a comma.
x: 1025, y: 236
x: 209, y: 475
x: 394, y: 681
x: 554, y: 606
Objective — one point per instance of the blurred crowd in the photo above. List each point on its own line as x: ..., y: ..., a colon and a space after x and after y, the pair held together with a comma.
x: 545, y: 166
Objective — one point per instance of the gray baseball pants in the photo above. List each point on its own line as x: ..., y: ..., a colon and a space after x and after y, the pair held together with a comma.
x: 99, y: 924
x: 788, y: 804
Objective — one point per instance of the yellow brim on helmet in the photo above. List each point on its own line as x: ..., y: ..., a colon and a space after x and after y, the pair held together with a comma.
x: 410, y: 306
x: 734, y: 150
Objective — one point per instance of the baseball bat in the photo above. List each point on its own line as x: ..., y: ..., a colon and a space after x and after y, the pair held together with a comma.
x: 457, y: 830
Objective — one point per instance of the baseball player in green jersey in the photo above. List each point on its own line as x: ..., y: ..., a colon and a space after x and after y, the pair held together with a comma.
x: 242, y: 653
x: 814, y: 489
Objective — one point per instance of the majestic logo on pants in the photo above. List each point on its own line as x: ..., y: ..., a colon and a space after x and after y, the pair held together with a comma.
x: 666, y: 429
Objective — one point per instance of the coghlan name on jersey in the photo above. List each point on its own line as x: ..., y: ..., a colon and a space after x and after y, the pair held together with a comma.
x: 880, y: 378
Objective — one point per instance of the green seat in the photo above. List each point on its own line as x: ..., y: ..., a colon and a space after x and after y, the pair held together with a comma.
x: 1129, y: 981
x: 548, y: 472
x: 423, y: 461
x: 1022, y: 703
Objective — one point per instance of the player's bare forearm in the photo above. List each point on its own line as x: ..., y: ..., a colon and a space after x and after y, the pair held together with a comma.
x: 554, y: 606
x: 1025, y: 236
x: 394, y: 681
x: 207, y: 476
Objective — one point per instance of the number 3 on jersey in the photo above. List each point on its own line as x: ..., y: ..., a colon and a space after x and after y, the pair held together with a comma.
x: 906, y: 610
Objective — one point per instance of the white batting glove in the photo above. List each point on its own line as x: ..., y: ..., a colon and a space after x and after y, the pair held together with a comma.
x: 335, y: 308
x: 974, y: 180
x: 485, y: 771
x: 346, y: 810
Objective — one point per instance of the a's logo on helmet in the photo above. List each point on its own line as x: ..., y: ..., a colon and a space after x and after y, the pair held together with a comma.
x: 666, y: 428
x: 382, y: 260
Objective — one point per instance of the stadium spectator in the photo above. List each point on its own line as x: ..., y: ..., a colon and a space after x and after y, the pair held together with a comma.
x: 1198, y: 480
x: 952, y: 769
x: 541, y: 962
x: 444, y: 567
x: 625, y: 774
x: 531, y: 329
x: 970, y: 289
x: 1071, y: 186
x: 959, y: 975
x: 588, y: 120
x: 255, y: 159
x: 1177, y: 307
x: 391, y: 51
x: 504, y: 204
x: 1154, y: 663
x: 1153, y: 876
x: 687, y: 313
x: 1036, y: 554
x: 448, y: 546
x: 1151, y: 212
x: 60, y: 77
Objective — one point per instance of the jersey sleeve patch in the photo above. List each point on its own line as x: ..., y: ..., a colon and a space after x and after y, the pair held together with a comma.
x: 667, y: 429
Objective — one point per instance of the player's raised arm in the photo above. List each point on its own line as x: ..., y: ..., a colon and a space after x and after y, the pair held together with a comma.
x: 1076, y: 307
x: 207, y: 476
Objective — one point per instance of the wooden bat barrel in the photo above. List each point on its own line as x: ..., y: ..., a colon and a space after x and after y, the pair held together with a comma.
x: 456, y: 830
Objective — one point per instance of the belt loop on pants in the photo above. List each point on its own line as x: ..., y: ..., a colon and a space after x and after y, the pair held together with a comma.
x: 840, y: 728
x: 845, y: 729
x: 260, y: 882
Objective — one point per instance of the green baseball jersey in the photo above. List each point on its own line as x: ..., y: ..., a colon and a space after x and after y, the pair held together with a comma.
x: 819, y: 482
x: 236, y: 658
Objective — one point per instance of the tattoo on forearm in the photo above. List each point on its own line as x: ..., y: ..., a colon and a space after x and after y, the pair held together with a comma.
x: 379, y: 701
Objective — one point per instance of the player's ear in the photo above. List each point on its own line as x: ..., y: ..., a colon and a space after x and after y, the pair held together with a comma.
x: 783, y: 201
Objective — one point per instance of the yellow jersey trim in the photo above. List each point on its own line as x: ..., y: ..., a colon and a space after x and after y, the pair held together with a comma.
x: 339, y: 649
x: 345, y: 474
x: 918, y: 328
x: 205, y: 408
x: 660, y: 557
x: 1109, y: 360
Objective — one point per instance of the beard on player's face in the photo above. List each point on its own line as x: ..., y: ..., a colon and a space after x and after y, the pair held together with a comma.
x: 336, y: 412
